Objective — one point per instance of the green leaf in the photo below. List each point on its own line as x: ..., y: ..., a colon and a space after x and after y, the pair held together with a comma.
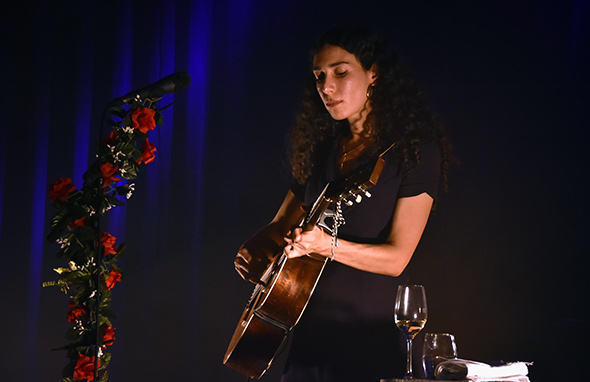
x: 113, y: 200
x: 74, y: 334
x: 105, y: 376
x: 59, y: 225
x: 123, y: 189
x: 120, y: 252
x: 106, y: 299
x: 158, y: 118
x: 117, y: 268
x: 92, y: 175
x: 105, y: 360
x: 104, y: 318
x: 131, y: 168
x: 124, y: 148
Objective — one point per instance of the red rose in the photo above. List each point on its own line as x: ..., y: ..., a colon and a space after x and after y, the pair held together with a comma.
x: 108, y: 171
x: 84, y: 369
x: 149, y: 150
x: 78, y: 223
x: 109, y: 335
x: 143, y: 119
x: 114, y: 277
x: 108, y: 242
x: 112, y: 138
x: 75, y: 312
x: 61, y: 189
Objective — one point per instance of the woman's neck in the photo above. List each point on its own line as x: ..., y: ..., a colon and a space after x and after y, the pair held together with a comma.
x: 351, y: 148
x: 357, y: 122
x: 358, y: 132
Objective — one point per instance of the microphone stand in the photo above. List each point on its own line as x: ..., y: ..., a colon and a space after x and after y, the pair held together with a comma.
x: 110, y: 108
x: 99, y: 248
x: 98, y: 261
x: 170, y: 84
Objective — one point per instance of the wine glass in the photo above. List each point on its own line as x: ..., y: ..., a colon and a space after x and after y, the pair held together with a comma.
x: 437, y: 348
x: 410, y: 315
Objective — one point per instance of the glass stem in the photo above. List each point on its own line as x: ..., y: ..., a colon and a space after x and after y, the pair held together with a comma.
x: 409, y: 373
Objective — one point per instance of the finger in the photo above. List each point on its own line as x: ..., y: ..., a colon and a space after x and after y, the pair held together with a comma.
x: 293, y: 254
x: 244, y: 255
x: 242, y: 271
x: 295, y: 250
x: 297, y: 234
x: 239, y: 262
x: 241, y: 266
x: 247, y: 274
x: 289, y: 250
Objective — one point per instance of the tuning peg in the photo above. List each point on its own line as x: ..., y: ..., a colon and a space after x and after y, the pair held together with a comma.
x: 364, y: 190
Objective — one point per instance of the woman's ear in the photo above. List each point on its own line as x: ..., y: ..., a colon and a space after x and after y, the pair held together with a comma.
x: 374, y: 73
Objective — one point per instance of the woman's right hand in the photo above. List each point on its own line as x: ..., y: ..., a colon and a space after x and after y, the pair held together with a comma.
x: 255, y: 256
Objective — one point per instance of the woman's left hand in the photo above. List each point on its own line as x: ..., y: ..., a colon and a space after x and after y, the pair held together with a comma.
x: 300, y: 242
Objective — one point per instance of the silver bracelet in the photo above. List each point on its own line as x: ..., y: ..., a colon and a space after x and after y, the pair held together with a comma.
x: 338, y: 221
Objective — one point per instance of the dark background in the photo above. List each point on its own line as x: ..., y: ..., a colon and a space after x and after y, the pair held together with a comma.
x: 503, y: 256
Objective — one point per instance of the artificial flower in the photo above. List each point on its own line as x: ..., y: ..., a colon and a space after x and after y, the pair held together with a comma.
x: 108, y: 243
x: 149, y: 152
x: 108, y: 171
x: 78, y: 223
x: 75, y: 312
x: 111, y: 139
x: 61, y: 189
x: 109, y: 335
x: 114, y: 277
x: 84, y: 369
x: 143, y: 119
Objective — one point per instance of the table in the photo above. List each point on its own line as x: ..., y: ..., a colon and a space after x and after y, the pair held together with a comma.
x: 418, y: 380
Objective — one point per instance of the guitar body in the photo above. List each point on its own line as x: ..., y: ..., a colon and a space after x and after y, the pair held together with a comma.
x: 273, y: 310
x: 278, y: 302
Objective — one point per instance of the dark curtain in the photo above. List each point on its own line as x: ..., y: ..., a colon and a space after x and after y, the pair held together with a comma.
x: 502, y: 257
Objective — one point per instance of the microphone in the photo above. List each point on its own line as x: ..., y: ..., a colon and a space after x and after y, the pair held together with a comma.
x: 169, y: 84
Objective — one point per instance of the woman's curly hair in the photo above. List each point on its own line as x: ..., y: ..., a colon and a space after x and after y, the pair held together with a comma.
x: 399, y: 112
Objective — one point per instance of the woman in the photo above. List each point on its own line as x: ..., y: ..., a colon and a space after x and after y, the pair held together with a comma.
x: 358, y: 104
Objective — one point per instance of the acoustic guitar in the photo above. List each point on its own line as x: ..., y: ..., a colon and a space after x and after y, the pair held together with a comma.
x: 278, y: 302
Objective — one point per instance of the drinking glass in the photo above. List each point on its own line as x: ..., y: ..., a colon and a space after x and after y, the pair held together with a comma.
x: 410, y: 315
x: 437, y: 347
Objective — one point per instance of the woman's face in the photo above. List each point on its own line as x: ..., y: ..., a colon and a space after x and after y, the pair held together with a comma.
x: 342, y: 83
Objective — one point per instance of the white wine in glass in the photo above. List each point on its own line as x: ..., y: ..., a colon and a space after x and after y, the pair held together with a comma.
x: 410, y: 315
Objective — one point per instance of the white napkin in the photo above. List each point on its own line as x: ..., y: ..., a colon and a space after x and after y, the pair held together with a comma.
x: 511, y: 372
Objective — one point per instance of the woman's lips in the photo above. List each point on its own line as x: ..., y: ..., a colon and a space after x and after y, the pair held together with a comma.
x: 332, y: 103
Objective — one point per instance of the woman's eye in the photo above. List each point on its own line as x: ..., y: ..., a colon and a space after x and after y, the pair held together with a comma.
x: 342, y: 74
x: 320, y: 77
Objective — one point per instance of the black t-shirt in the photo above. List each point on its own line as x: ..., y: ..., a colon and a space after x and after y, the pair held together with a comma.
x: 348, y: 324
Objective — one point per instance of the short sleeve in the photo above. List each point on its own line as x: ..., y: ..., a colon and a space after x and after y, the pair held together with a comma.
x: 422, y: 176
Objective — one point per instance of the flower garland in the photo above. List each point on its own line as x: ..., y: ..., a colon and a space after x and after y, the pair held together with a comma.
x: 76, y: 228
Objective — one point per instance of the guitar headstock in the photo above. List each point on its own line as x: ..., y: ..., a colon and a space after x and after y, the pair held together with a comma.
x: 350, y: 189
x: 353, y: 187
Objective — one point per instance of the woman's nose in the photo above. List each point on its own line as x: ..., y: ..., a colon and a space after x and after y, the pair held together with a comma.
x: 328, y: 87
